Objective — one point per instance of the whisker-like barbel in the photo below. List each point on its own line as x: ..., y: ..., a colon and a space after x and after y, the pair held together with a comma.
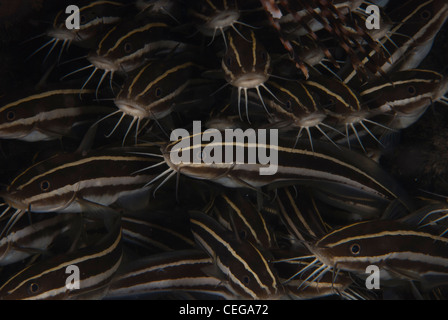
x: 94, y: 17
x: 216, y: 15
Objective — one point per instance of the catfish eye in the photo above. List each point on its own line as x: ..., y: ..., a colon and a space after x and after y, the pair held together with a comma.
x: 243, y: 234
x: 355, y: 249
x: 229, y: 61
x: 127, y: 47
x: 158, y: 92
x: 264, y: 56
x: 412, y: 90
x: 10, y: 116
x: 45, y: 185
x: 425, y: 15
x: 289, y: 105
x: 33, y: 288
x: 246, y: 280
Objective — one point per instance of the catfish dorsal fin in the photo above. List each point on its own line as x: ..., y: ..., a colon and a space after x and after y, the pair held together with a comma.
x: 98, y: 211
x: 214, y: 271
x: 88, y: 140
x: 394, y: 211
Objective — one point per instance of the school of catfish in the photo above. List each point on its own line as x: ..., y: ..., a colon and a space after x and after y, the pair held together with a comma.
x: 88, y: 178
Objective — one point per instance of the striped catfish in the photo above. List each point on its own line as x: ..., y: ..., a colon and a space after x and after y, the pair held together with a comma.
x: 94, y: 17
x: 211, y: 16
x: 343, y: 106
x: 177, y: 271
x: 241, y: 264
x: 128, y: 45
x: 27, y: 239
x: 47, y: 114
x: 436, y: 16
x: 416, y: 23
x: 401, y: 251
x: 75, y: 182
x: 406, y: 95
x: 47, y: 279
x: 124, y: 47
x: 300, y: 214
x: 337, y: 171
x: 238, y: 213
x: 246, y: 65
x: 297, y: 108
x: 153, y: 91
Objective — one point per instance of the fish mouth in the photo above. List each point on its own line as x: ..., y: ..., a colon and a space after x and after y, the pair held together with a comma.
x: 132, y: 108
x: 221, y: 21
x: 250, y: 80
x: 310, y: 121
x: 355, y: 117
x: 62, y: 34
x: 13, y: 201
x: 320, y: 253
x: 224, y: 19
x: 102, y: 63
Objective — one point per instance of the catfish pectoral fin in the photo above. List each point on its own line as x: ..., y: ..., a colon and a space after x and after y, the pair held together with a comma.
x: 97, y: 211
